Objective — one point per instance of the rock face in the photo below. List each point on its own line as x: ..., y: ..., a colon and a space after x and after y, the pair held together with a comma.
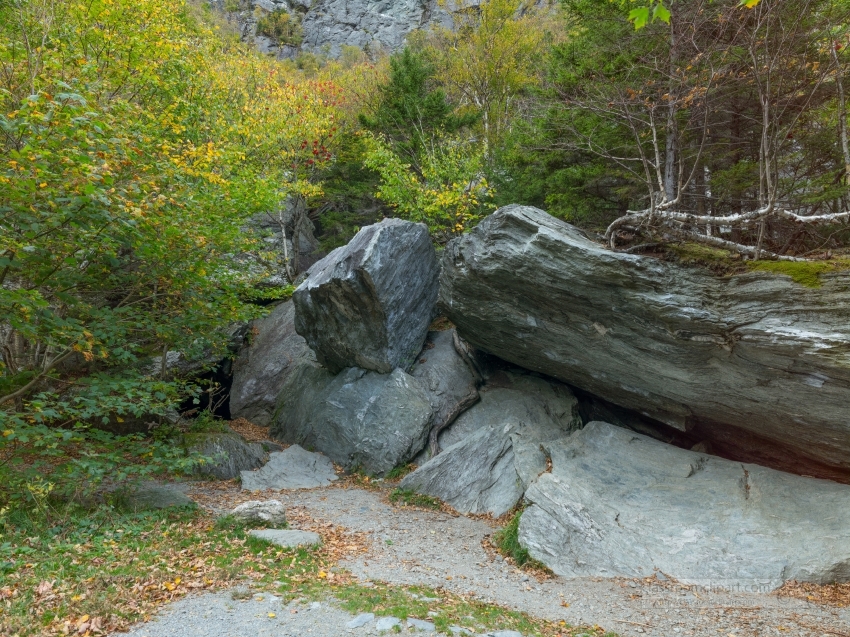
x: 294, y: 468
x: 754, y: 363
x: 621, y: 504
x: 368, y: 304
x: 448, y: 381
x: 493, y: 450
x: 230, y: 454
x: 359, y: 419
x: 262, y: 367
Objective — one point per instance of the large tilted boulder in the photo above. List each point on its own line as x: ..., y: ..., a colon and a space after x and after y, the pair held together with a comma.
x: 621, y: 504
x: 263, y: 365
x: 754, y: 363
x: 493, y: 450
x: 359, y: 419
x: 368, y: 304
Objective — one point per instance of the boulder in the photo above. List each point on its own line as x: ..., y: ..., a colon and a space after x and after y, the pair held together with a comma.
x: 448, y: 381
x: 288, y: 539
x: 368, y: 304
x: 295, y: 468
x: 266, y: 511
x: 524, y: 406
x: 619, y: 504
x: 754, y: 363
x: 229, y: 452
x: 359, y: 419
x: 263, y: 366
x: 494, y: 449
x: 475, y: 475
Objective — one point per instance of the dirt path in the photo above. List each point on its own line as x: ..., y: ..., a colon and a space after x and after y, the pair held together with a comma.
x: 412, y: 546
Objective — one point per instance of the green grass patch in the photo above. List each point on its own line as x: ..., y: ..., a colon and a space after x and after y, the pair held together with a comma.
x: 806, y: 273
x: 506, y: 541
x: 397, y: 473
x: 406, y: 497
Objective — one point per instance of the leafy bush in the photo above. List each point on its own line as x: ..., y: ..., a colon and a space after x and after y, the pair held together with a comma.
x: 282, y: 27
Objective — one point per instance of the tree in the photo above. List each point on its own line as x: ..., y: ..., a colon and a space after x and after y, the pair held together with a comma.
x: 721, y: 120
x: 490, y: 56
x: 411, y: 109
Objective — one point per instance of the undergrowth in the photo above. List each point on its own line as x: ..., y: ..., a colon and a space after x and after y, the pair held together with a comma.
x: 506, y: 541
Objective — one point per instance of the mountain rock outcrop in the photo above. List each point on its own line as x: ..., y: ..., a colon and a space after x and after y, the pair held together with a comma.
x: 755, y: 364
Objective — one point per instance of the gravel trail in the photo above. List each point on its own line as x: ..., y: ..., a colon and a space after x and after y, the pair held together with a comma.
x: 411, y: 546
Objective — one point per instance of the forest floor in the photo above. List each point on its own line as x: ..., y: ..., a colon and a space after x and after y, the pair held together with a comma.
x: 397, y: 550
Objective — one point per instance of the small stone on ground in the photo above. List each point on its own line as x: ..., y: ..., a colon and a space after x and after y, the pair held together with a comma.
x: 287, y: 538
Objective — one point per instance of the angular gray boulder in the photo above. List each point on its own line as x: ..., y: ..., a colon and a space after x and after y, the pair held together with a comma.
x: 287, y: 538
x: 754, y: 363
x: 495, y: 449
x: 262, y: 366
x: 294, y: 468
x: 359, y: 419
x: 619, y: 504
x: 368, y: 304
x: 476, y: 475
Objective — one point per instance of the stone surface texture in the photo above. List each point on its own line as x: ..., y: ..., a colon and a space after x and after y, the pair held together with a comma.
x: 755, y: 363
x: 619, y: 504
x: 230, y: 454
x: 262, y: 366
x: 368, y: 304
x: 359, y: 419
x: 294, y: 468
x: 447, y: 379
x: 287, y: 538
x: 494, y: 449
x: 268, y: 511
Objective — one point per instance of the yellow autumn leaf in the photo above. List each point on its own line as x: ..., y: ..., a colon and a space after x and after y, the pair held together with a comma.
x: 272, y: 615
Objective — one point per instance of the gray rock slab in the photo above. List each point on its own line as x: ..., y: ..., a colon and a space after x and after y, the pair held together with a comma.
x: 268, y: 511
x: 742, y: 359
x: 294, y: 468
x: 287, y: 538
x: 361, y: 620
x: 359, y: 419
x: 504, y: 633
x: 368, y: 304
x: 619, y: 504
x: 421, y: 625
x: 229, y: 454
x: 387, y: 623
x: 264, y: 364
x: 476, y: 475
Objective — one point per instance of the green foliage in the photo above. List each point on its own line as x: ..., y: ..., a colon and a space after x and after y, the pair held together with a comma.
x: 407, y: 497
x: 411, y: 109
x: 282, y: 27
x: 447, y: 192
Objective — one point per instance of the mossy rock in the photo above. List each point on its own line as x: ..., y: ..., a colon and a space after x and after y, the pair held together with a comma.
x: 806, y: 273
